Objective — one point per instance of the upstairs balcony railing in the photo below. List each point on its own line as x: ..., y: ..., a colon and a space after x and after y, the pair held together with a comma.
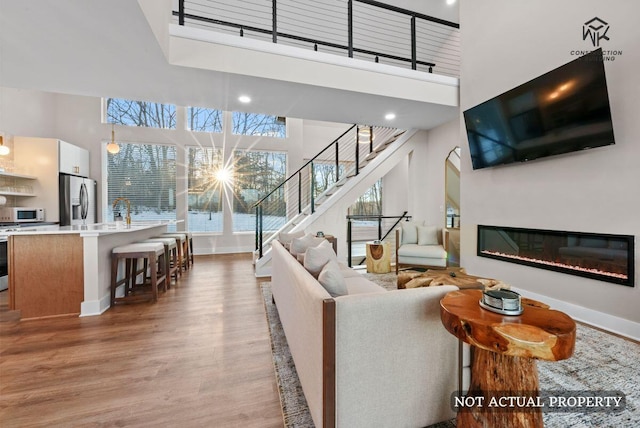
x: 363, y: 29
x: 317, y: 179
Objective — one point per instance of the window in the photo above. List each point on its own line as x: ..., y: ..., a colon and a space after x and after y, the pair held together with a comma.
x: 141, y: 113
x: 145, y: 174
x: 206, y: 178
x: 204, y: 119
x: 370, y: 203
x: 256, y: 174
x: 259, y: 125
x: 325, y: 174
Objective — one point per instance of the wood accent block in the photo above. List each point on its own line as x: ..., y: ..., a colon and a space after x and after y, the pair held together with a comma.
x: 57, y: 286
x: 378, y: 257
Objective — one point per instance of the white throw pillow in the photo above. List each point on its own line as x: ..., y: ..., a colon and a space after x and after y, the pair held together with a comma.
x: 316, y: 257
x: 332, y: 280
x: 427, y: 235
x: 300, y: 245
x: 286, y: 238
x: 410, y: 231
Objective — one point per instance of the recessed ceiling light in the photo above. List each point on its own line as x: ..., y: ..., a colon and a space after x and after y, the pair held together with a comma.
x: 244, y: 99
x: 450, y: 2
x: 390, y: 116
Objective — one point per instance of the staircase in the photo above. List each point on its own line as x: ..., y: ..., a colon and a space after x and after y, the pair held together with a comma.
x: 343, y: 169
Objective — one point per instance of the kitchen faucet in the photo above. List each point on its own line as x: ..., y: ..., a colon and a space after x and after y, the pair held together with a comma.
x: 115, y: 202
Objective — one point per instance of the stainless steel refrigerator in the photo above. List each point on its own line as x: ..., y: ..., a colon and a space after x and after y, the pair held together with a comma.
x: 78, y: 204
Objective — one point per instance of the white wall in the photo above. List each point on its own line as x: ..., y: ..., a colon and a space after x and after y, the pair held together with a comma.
x: 504, y: 44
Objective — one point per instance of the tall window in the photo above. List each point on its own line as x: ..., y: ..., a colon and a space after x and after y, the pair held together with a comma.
x: 141, y: 113
x: 259, y: 125
x: 204, y: 119
x: 206, y: 180
x: 145, y: 174
x: 257, y: 174
x: 370, y: 203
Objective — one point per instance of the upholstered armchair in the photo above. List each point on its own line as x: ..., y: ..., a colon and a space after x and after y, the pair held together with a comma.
x: 420, y: 245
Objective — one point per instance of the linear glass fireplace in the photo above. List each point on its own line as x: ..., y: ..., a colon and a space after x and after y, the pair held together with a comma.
x: 605, y: 257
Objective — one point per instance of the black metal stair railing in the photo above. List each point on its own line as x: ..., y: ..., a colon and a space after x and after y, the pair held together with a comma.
x: 364, y: 29
x: 317, y: 179
x: 365, y: 232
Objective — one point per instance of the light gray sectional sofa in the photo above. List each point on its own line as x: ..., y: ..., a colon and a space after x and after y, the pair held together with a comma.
x: 370, y: 358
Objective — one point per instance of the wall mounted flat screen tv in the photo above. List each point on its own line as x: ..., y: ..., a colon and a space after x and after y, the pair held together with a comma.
x: 564, y: 110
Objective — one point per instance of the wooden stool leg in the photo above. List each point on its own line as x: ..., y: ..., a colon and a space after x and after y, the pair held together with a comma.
x: 114, y: 277
x: 154, y: 278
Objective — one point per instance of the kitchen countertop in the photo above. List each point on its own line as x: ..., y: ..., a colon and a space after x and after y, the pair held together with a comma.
x: 96, y: 229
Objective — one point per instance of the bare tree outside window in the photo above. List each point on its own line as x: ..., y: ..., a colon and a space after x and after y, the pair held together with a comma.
x: 205, y: 189
x: 370, y: 203
x: 256, y: 174
x: 146, y: 175
x: 141, y: 113
x: 259, y: 125
x: 325, y: 174
x: 204, y: 119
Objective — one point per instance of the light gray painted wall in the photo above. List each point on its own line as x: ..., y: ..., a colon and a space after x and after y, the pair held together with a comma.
x: 507, y: 43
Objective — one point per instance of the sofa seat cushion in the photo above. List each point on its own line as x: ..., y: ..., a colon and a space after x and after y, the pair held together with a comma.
x: 423, y: 251
x: 347, y: 272
x: 360, y: 285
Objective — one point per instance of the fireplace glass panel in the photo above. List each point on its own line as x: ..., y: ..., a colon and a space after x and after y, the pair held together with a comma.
x: 600, y: 256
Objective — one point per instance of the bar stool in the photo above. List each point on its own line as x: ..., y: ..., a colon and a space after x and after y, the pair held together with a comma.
x: 152, y: 253
x: 170, y: 256
x: 183, y: 247
x: 190, y: 239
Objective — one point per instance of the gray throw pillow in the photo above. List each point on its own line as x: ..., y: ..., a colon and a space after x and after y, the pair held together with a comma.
x: 332, y: 280
x: 316, y: 257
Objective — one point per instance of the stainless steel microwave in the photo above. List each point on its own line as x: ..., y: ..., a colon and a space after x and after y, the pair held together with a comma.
x: 21, y: 214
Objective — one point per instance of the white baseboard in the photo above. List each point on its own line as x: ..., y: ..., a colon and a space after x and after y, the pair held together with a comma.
x: 595, y: 318
x: 90, y: 308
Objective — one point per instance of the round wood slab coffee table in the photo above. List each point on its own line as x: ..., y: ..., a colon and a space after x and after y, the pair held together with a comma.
x: 505, y: 349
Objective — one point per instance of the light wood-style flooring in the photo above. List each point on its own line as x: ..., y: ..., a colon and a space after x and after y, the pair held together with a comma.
x: 200, y: 357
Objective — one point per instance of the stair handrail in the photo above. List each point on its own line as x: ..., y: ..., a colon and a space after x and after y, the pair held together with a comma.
x: 304, y: 166
x: 351, y: 217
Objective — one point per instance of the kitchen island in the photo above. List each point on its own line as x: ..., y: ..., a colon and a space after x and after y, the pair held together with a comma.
x: 66, y: 270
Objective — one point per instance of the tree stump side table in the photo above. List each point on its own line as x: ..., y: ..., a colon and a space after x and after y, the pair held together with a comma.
x: 378, y: 257
x: 504, y: 352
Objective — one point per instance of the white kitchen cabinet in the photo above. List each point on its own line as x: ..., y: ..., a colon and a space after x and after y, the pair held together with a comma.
x: 73, y: 159
x: 45, y: 158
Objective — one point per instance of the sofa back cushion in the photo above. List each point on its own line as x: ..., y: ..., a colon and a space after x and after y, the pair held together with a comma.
x: 300, y: 245
x: 317, y: 257
x: 286, y: 238
x: 427, y: 235
x: 332, y: 280
x: 410, y: 231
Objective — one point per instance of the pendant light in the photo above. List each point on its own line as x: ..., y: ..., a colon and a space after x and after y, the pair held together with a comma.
x: 364, y: 134
x: 113, y: 147
x: 4, y: 150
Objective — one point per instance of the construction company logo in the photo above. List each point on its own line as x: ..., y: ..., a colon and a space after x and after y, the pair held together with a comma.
x: 596, y: 30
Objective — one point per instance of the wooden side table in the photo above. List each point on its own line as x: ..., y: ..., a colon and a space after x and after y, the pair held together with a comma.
x: 504, y: 352
x: 334, y: 242
x: 378, y: 257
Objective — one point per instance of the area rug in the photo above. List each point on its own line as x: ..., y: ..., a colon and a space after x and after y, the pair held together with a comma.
x: 601, y: 362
